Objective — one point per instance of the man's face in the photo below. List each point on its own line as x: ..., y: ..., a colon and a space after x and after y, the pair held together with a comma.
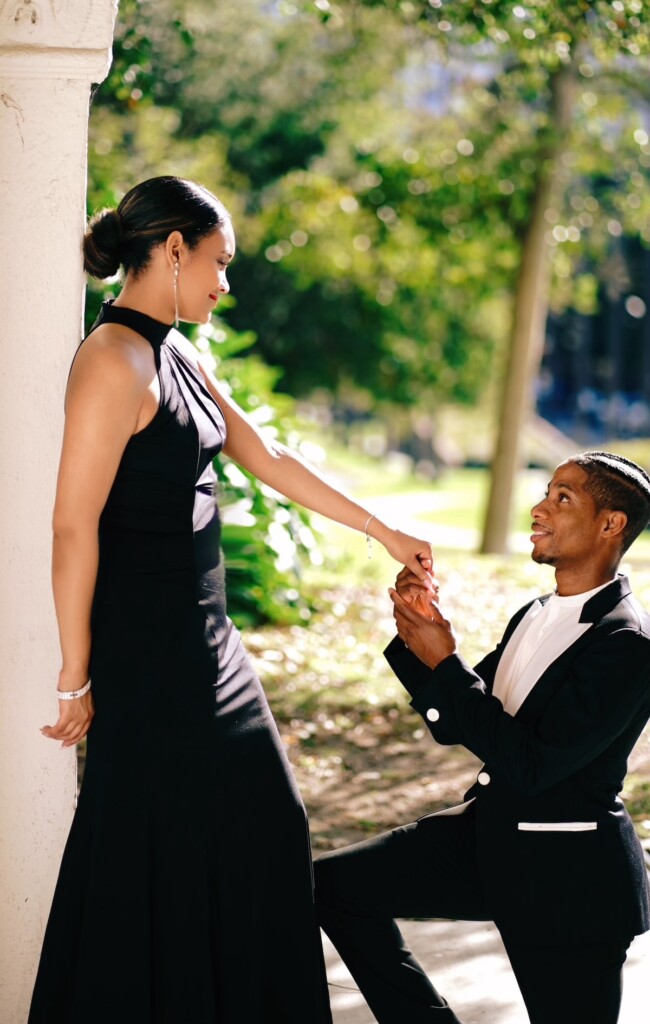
x: 566, y: 527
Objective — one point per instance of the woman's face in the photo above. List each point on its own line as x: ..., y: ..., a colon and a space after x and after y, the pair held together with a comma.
x: 202, y: 275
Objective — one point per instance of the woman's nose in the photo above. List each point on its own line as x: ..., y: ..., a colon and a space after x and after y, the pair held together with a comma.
x: 224, y: 284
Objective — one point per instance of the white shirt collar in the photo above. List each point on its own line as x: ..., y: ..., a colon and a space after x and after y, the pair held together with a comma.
x: 575, y: 600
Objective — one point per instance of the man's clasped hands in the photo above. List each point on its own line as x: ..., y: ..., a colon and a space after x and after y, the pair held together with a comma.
x: 420, y: 623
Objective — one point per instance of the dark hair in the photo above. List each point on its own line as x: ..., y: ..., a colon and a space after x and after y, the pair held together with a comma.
x: 618, y: 484
x: 145, y: 218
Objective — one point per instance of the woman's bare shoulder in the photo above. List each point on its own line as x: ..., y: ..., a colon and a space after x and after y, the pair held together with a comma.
x: 115, y: 349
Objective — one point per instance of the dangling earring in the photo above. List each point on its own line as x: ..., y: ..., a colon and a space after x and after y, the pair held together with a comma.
x: 176, y: 270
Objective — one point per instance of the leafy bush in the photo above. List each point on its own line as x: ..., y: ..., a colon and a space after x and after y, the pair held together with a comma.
x: 266, y: 538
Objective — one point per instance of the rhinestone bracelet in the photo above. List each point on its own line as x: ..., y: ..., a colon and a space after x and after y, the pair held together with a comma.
x: 73, y: 694
x: 368, y: 537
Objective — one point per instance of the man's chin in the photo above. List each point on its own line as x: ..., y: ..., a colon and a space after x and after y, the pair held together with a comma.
x: 541, y: 558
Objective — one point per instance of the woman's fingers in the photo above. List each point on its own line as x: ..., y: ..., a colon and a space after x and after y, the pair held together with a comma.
x: 77, y: 737
x: 417, y: 568
x: 73, y: 722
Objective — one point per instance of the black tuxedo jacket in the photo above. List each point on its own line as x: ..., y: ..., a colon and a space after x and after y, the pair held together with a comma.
x: 558, y: 855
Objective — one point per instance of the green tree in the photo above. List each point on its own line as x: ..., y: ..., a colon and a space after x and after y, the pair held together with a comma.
x: 299, y: 121
x: 565, y: 64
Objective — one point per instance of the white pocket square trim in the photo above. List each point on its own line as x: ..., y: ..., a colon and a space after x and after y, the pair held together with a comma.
x: 557, y: 826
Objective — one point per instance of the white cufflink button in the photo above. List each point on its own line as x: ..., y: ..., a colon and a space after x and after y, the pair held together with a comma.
x: 433, y: 714
x: 483, y: 778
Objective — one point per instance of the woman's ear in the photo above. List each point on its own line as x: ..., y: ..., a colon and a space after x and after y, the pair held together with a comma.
x: 173, y: 247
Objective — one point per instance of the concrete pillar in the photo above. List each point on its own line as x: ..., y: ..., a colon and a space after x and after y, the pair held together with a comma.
x: 50, y: 53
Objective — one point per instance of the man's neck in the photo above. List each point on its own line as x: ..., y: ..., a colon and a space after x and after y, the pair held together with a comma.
x: 569, y: 582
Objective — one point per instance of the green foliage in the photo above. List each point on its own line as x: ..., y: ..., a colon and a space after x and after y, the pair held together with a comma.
x: 343, y: 290
x: 266, y: 539
x: 380, y: 160
x: 513, y: 50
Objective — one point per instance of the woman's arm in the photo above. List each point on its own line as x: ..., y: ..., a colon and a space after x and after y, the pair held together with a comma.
x: 286, y: 472
x: 105, y: 394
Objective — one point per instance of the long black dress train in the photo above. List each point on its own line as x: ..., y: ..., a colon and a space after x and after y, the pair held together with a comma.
x: 185, y: 891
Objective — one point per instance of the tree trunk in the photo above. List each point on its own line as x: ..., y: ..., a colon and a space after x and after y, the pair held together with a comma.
x: 528, y: 322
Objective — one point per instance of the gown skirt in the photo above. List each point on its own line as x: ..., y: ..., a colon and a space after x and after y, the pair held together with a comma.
x: 185, y: 894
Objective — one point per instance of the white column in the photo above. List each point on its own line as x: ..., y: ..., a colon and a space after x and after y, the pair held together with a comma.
x: 50, y: 53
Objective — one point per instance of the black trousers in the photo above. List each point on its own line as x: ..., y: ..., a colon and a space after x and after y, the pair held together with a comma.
x: 429, y: 869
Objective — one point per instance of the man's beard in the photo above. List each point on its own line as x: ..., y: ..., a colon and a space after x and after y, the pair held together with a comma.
x: 542, y: 559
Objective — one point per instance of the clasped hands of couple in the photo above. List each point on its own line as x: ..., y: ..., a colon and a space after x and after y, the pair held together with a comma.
x: 421, y: 625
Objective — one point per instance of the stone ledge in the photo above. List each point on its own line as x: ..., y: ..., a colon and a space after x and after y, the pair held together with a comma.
x: 90, y: 65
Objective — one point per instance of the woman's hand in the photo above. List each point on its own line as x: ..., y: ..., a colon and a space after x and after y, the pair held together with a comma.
x: 415, y: 555
x: 75, y: 716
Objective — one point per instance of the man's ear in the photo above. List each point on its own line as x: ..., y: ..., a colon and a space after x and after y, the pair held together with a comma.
x: 614, y: 524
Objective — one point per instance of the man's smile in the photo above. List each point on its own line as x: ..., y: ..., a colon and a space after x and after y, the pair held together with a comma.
x: 538, y: 531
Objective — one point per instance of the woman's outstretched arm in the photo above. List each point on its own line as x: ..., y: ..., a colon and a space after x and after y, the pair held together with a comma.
x: 288, y: 473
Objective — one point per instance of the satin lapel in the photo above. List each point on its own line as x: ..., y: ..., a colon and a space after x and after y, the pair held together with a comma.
x: 606, y: 599
x: 550, y: 681
x: 556, y: 673
x: 595, y: 609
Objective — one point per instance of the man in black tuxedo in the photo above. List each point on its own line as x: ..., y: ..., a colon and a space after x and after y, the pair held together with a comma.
x: 542, y: 844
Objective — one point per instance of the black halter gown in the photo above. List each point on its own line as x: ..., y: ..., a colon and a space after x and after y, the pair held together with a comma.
x: 185, y: 891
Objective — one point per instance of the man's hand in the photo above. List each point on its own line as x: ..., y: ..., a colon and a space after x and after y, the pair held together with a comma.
x: 416, y: 593
x: 428, y: 635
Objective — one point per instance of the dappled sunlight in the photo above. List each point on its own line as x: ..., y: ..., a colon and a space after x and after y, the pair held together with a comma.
x: 467, y: 963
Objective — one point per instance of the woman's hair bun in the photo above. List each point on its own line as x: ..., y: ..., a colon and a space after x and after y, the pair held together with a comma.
x: 102, y: 244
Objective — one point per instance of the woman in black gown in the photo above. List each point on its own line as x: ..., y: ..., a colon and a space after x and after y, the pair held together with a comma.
x: 185, y: 891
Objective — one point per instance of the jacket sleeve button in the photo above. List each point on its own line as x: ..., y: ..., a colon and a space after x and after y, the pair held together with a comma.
x: 483, y: 778
x: 433, y: 714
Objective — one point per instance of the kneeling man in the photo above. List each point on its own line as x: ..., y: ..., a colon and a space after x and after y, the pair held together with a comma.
x: 543, y: 844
